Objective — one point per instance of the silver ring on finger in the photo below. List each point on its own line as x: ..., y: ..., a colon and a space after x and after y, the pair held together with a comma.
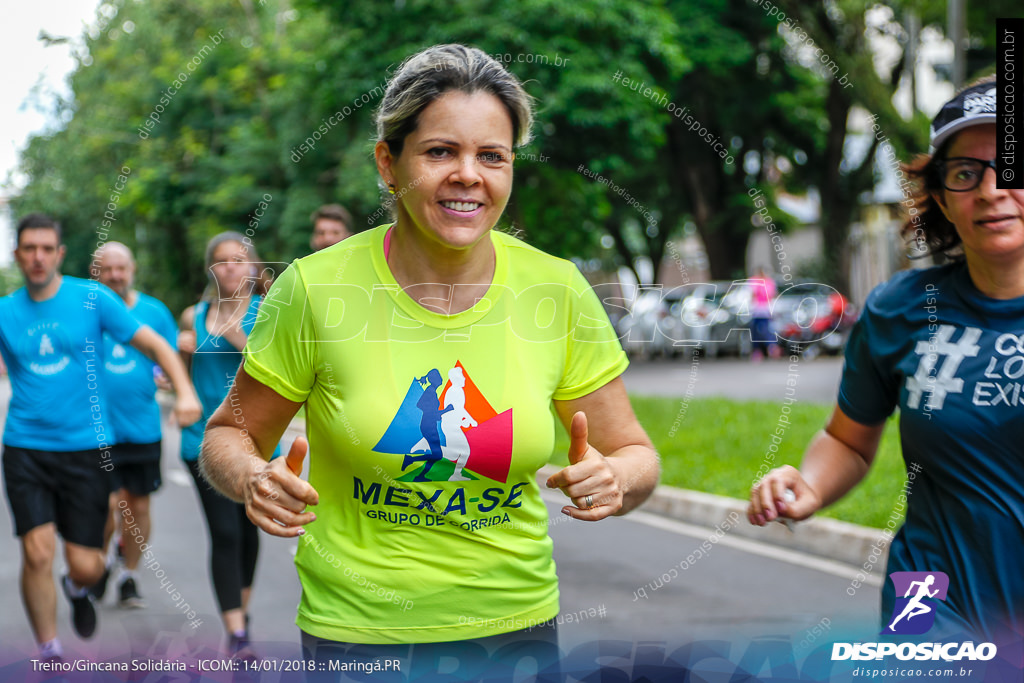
x: 589, y: 500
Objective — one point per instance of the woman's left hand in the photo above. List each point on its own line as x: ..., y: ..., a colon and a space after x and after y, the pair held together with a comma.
x: 589, y: 480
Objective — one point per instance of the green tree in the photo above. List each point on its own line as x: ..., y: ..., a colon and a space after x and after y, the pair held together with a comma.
x: 843, y: 31
x: 705, y: 58
x: 743, y: 92
x: 280, y: 104
x: 188, y: 101
x: 566, y: 53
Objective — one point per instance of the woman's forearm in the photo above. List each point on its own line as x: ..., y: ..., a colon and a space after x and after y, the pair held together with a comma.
x: 831, y: 467
x: 228, y: 459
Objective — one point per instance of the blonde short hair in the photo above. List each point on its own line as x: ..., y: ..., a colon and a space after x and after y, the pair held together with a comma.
x: 427, y: 75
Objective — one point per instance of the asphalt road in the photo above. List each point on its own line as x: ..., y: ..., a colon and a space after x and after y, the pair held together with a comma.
x: 623, y: 579
x: 817, y: 381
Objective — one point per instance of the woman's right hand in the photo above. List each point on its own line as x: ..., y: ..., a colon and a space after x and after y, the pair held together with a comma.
x: 187, y: 341
x: 276, y: 496
x: 768, y: 497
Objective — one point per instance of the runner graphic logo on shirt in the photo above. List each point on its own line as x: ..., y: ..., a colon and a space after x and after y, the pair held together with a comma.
x: 454, y: 436
x: 47, y: 349
x: 117, y: 364
x: 45, y: 346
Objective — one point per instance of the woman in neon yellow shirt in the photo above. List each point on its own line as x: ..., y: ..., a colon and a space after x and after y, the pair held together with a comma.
x: 407, y: 545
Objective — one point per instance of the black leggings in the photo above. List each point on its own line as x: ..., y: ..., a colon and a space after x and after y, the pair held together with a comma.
x: 234, y: 542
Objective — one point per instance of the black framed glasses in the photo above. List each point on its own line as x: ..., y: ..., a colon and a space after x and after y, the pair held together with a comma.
x: 963, y: 174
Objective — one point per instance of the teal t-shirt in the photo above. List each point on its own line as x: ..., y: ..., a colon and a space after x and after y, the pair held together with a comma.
x: 214, y: 366
x: 951, y: 359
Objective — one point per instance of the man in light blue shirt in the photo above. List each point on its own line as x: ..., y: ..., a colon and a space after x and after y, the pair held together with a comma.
x: 135, y: 419
x: 56, y: 443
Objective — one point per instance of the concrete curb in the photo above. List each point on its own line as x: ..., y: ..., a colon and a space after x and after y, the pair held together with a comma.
x: 831, y: 539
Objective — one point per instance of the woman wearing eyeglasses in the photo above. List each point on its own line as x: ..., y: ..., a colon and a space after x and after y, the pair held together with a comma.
x: 946, y: 346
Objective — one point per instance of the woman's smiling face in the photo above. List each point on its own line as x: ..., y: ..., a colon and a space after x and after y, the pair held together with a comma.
x: 454, y: 175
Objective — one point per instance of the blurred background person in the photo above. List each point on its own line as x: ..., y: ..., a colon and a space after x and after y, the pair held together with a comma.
x: 56, y: 454
x: 762, y: 336
x: 332, y: 223
x: 213, y: 334
x: 130, y: 380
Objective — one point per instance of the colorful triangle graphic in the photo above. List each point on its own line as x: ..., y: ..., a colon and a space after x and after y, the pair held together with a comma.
x: 490, y: 441
x: 404, y: 430
x: 476, y: 404
x: 490, y: 447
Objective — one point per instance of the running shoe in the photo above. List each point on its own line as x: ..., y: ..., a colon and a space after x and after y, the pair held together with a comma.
x: 239, y: 647
x: 130, y: 598
x: 83, y: 613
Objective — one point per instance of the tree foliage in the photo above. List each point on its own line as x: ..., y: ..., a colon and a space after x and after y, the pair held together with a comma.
x: 254, y: 102
x: 843, y: 31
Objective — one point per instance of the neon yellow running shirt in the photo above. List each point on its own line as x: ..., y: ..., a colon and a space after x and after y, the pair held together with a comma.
x: 425, y: 434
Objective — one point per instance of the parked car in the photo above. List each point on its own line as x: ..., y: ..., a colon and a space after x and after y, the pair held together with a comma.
x: 808, y: 318
x: 811, y: 318
x: 717, y: 317
x: 659, y: 325
x: 638, y: 329
x: 679, y: 332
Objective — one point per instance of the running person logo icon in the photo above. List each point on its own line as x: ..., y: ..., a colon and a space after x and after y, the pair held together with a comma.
x: 451, y: 429
x: 120, y: 361
x: 914, y: 612
x: 46, y: 346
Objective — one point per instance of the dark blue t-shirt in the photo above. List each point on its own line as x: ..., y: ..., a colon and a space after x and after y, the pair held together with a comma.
x: 134, y: 412
x: 53, y: 351
x: 952, y: 359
